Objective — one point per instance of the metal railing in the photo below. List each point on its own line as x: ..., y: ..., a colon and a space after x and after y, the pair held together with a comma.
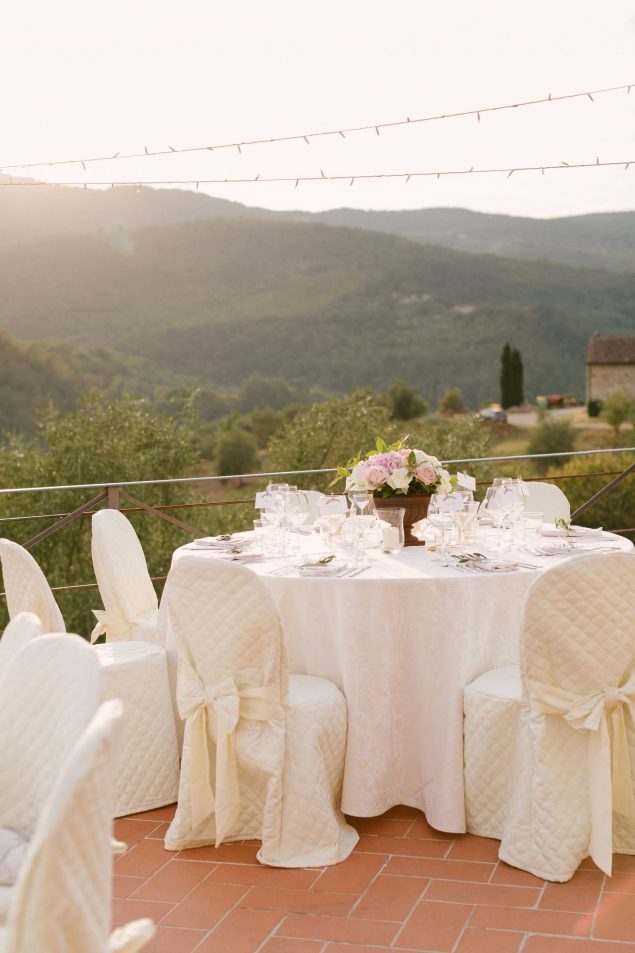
x: 115, y: 494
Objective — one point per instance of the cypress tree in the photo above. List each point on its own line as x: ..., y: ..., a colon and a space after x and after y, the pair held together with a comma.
x: 517, y: 374
x: 506, y: 380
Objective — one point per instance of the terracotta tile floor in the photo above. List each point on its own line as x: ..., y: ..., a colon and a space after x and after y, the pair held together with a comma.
x: 405, y: 888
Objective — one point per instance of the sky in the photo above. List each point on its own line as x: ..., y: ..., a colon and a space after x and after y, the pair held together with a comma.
x: 81, y: 78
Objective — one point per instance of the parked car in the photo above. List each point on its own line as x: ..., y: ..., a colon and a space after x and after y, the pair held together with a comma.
x: 493, y: 413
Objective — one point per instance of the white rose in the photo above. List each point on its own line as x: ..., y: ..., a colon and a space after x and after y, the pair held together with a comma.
x: 358, y: 478
x: 446, y: 485
x: 399, y: 479
x: 420, y: 456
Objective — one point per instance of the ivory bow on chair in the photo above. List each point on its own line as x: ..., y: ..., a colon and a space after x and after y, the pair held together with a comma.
x: 225, y: 704
x: 603, y: 713
x: 102, y: 625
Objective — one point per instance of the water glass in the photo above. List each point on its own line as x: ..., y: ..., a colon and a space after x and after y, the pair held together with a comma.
x: 258, y: 535
x: 392, y: 529
x: 532, y: 530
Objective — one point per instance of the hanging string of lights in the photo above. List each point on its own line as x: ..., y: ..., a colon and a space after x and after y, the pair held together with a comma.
x: 307, y: 137
x: 323, y: 177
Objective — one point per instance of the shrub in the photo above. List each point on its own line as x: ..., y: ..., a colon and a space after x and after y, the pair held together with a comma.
x: 594, y: 408
x: 452, y: 402
x: 617, y: 409
x: 404, y: 401
x: 551, y: 436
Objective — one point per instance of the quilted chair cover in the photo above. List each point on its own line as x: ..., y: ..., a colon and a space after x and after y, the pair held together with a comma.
x: 263, y: 753
x: 136, y: 672
x: 48, y: 694
x: 572, y: 779
x: 19, y: 632
x: 130, y: 602
x: 148, y: 774
x: 548, y: 499
x: 62, y: 897
x: 26, y: 587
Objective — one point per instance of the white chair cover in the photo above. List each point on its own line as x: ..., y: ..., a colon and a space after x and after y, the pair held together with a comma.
x: 49, y: 692
x: 136, y: 672
x: 130, y: 602
x: 263, y: 754
x: 148, y: 771
x: 61, y: 902
x: 26, y: 587
x: 19, y: 632
x: 572, y: 759
x: 548, y: 499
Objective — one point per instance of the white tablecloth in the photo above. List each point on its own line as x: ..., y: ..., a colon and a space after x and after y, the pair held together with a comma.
x: 401, y: 640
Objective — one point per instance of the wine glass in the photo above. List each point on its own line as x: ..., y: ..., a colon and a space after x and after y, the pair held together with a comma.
x: 331, y: 515
x: 441, y: 518
x: 363, y: 512
x: 297, y: 512
x: 499, y: 504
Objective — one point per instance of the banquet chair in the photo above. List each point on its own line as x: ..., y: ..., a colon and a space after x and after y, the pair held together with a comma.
x: 550, y: 747
x: 136, y: 672
x: 130, y: 602
x: 26, y: 587
x: 18, y: 633
x: 61, y: 902
x: 263, y: 753
x: 49, y: 692
x: 548, y: 499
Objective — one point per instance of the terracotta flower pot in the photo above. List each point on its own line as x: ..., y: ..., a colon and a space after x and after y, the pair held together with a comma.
x: 416, y: 507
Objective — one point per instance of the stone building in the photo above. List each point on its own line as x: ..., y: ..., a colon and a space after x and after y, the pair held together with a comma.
x: 610, y: 366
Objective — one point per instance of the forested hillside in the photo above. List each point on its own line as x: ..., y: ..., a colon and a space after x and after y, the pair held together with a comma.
x: 318, y: 305
x: 604, y: 240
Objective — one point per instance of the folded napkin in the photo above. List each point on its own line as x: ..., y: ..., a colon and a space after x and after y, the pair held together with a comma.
x: 224, y: 543
x: 587, y: 531
x: 322, y: 567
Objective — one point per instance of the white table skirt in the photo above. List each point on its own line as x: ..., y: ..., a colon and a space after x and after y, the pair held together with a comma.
x: 401, y: 640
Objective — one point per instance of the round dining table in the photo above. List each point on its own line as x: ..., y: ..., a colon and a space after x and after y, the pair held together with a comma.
x: 401, y: 640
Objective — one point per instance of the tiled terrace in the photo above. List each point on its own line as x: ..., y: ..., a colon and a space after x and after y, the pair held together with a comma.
x: 405, y: 888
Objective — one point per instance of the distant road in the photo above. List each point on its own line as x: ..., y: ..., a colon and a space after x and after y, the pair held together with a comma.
x: 575, y: 415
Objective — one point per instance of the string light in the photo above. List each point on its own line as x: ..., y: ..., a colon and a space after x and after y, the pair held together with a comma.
x: 307, y: 136
x: 322, y: 177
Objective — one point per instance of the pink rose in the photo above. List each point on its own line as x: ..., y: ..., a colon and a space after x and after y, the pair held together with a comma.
x: 376, y: 474
x: 426, y: 474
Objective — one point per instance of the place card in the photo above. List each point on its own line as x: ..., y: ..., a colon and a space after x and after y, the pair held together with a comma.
x: 332, y: 504
x: 465, y: 480
x: 451, y: 503
x: 265, y: 501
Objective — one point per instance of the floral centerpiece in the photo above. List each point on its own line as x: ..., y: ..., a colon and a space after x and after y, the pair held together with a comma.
x: 392, y: 470
x: 397, y: 475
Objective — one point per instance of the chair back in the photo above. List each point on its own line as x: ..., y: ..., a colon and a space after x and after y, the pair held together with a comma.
x: 26, y: 587
x: 548, y: 499
x: 19, y: 632
x: 48, y: 694
x: 579, y: 624
x: 122, y: 574
x: 63, y: 891
x: 225, y: 623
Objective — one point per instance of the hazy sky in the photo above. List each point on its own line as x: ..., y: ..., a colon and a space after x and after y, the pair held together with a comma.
x: 79, y: 77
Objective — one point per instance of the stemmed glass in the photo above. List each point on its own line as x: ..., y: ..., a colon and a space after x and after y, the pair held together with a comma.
x: 297, y: 512
x: 330, y: 518
x: 499, y: 503
x: 363, y: 512
x: 442, y: 520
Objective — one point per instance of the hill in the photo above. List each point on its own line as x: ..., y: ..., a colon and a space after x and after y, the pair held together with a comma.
x: 601, y: 240
x: 32, y: 374
x: 318, y: 305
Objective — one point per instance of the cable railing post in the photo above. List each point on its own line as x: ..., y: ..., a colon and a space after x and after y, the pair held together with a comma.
x: 113, y: 501
x: 602, y: 492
